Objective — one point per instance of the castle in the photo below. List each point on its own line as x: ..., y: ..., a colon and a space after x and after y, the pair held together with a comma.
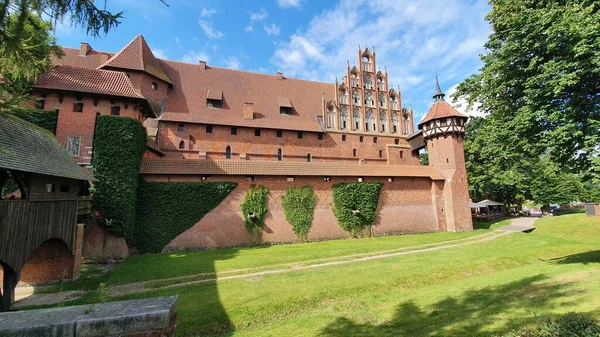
x: 207, y: 123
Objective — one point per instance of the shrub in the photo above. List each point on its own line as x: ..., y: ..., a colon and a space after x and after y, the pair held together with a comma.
x: 255, y: 208
x: 299, y: 207
x: 119, y: 144
x: 569, y: 325
x: 167, y: 209
x: 355, y: 205
x: 41, y: 118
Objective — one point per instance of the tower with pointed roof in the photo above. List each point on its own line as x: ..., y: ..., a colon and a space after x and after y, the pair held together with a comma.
x: 443, y: 129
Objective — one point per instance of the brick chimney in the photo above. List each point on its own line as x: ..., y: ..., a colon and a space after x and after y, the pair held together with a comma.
x: 202, y: 65
x: 84, y: 49
x: 248, y: 110
x: 279, y: 75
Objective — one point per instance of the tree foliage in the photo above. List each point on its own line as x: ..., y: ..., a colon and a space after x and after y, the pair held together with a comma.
x: 299, y: 208
x: 540, y: 84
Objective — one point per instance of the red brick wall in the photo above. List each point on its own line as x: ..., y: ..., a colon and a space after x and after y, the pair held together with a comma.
x: 98, y: 244
x: 51, y: 261
x: 264, y: 147
x: 405, y: 205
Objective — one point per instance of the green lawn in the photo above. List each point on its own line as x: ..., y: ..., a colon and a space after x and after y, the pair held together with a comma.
x: 476, y: 290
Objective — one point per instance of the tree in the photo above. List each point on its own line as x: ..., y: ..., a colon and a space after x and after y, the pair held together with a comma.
x: 424, y: 158
x: 540, y: 83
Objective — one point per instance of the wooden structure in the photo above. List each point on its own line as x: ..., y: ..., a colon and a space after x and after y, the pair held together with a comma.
x: 49, y: 182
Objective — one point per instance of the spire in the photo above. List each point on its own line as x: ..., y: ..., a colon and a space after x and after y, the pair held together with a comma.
x: 439, y: 95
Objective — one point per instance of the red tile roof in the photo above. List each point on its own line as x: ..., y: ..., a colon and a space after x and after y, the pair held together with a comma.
x: 281, y: 168
x: 137, y: 55
x: 71, y: 58
x: 84, y: 80
x: 441, y: 109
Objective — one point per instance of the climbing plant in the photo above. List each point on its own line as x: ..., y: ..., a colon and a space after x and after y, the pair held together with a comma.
x: 41, y: 118
x: 299, y: 207
x: 355, y: 205
x: 255, y: 208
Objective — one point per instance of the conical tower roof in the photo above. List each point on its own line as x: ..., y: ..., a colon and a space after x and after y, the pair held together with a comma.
x: 137, y: 55
x: 440, y: 108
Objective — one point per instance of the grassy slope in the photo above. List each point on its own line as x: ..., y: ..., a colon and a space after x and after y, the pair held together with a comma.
x: 469, y: 291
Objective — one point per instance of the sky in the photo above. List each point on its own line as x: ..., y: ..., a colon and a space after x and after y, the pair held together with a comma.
x: 310, y: 39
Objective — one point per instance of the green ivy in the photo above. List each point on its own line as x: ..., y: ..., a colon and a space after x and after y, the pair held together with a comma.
x: 41, y: 118
x: 299, y: 208
x: 361, y: 197
x: 119, y: 145
x: 255, y: 208
x: 167, y: 209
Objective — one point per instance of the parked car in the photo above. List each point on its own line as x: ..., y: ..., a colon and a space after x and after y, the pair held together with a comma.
x: 535, y: 213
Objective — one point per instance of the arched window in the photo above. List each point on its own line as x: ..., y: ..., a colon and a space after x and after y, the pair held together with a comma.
x: 382, y: 121
x: 381, y: 100
x: 354, y: 80
x: 182, y: 145
x: 395, y: 123
x: 368, y: 82
x: 355, y: 97
x: 370, y: 124
x: 344, y: 118
x: 279, y: 154
x: 353, y: 152
x: 192, y: 142
x: 228, y: 152
x: 330, y: 117
x: 380, y: 83
x: 356, y: 118
x: 343, y: 96
x: 308, y: 157
x: 393, y: 103
x: 369, y: 99
x: 406, y: 125
x: 365, y: 58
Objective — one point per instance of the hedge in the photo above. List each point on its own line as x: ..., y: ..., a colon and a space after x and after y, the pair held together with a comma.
x: 355, y: 205
x: 255, y: 208
x: 167, y: 209
x: 119, y: 145
x: 299, y: 208
x: 41, y: 118
x: 571, y: 324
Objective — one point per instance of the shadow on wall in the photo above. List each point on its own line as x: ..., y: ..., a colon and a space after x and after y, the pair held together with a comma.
x: 471, y: 314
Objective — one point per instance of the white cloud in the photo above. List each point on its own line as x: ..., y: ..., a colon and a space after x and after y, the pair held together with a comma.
x: 194, y: 57
x: 261, y: 15
x: 159, y: 53
x: 289, y: 3
x: 232, y: 63
x: 462, y: 106
x: 272, y: 30
x: 209, y: 30
x: 207, y: 13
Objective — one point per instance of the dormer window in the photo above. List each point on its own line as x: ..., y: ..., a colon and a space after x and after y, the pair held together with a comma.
x: 154, y: 86
x: 285, y: 110
x: 214, y: 99
x: 213, y: 103
x: 285, y: 106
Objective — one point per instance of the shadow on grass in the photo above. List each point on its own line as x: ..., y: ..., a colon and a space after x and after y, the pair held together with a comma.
x: 471, y: 314
x: 583, y: 258
x: 479, y: 224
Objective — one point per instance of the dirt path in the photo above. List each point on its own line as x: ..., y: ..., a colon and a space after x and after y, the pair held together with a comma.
x: 251, y: 274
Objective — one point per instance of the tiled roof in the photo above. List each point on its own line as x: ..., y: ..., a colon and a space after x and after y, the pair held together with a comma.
x: 441, y: 109
x: 85, y: 80
x: 137, y: 55
x: 187, y: 103
x: 282, y: 168
x: 29, y: 148
x: 71, y: 57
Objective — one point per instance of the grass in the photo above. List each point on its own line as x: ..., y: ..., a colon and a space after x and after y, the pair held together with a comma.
x: 477, y: 290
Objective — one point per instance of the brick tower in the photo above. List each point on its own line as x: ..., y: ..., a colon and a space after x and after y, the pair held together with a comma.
x: 443, y: 130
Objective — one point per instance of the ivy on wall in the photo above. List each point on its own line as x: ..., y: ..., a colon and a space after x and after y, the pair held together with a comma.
x: 119, y: 145
x: 355, y: 205
x: 255, y: 208
x: 299, y: 208
x: 41, y: 118
x: 167, y: 209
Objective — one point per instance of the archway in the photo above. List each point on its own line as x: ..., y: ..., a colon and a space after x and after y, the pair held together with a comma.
x: 50, y: 261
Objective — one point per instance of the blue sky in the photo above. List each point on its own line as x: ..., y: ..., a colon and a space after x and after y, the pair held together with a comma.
x: 310, y: 39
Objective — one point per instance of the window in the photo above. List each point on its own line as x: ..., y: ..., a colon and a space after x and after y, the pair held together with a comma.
x: 154, y: 86
x: 401, y: 154
x: 192, y: 142
x: 78, y: 107
x: 380, y: 153
x: 355, y: 97
x: 443, y: 122
x: 353, y: 152
x: 382, y: 121
x: 209, y: 129
x: 180, y: 127
x: 356, y: 118
x: 299, y: 134
x: 343, y: 138
x: 375, y: 140
x: 308, y: 157
x: 279, y: 154
x: 182, y: 145
x: 115, y: 110
x: 257, y: 132
x: 73, y: 144
x: 381, y: 99
x: 369, y: 99
x: 64, y: 188
x: 396, y: 141
x: 49, y: 188
x: 395, y: 122
x: 228, y: 152
x: 279, y: 133
x: 234, y: 131
x: 368, y: 82
x: 285, y: 110
x: 361, y: 139
x: 344, y: 118
x: 406, y: 125
x: 370, y: 121
x: 213, y: 103
x: 330, y: 118
x: 40, y: 103
x: 320, y: 136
